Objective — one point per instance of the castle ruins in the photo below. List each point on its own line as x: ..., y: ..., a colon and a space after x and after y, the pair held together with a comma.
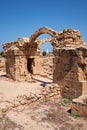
x: 23, y: 59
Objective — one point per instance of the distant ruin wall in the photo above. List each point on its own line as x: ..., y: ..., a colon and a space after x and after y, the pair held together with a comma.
x: 2, y: 64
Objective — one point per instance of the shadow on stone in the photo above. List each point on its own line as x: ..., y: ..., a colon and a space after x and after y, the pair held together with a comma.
x: 43, y: 83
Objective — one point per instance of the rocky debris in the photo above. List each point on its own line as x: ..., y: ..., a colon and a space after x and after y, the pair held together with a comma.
x: 46, y: 93
x: 48, y: 115
x: 79, y: 106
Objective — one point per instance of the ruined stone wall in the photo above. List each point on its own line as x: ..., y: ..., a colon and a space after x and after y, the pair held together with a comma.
x: 43, y: 94
x: 70, y: 60
x: 2, y: 64
x: 10, y: 67
x: 71, y: 71
x: 21, y: 73
x: 44, y: 66
x: 70, y: 63
x: 46, y: 93
x: 68, y: 38
x: 16, y: 68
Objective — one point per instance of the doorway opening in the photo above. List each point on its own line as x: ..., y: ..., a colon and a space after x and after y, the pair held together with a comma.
x: 30, y: 64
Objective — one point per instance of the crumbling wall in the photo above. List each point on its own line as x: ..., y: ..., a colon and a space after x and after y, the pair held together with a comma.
x: 70, y: 64
x: 2, y: 64
x: 16, y: 68
x: 71, y: 71
x: 44, y: 66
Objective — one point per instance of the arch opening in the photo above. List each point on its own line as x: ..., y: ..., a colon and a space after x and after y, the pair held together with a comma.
x: 44, y: 30
x: 45, y: 45
x: 30, y: 63
x: 46, y: 48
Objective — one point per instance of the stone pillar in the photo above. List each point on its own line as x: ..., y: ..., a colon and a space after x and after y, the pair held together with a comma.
x: 21, y: 72
x: 10, y: 66
x: 70, y: 73
x: 16, y: 68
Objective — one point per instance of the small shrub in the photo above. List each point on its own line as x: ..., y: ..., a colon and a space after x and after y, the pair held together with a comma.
x: 66, y: 101
x: 75, y: 115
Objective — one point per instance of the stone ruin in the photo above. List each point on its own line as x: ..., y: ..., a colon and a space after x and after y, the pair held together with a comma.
x: 23, y: 59
x: 2, y: 64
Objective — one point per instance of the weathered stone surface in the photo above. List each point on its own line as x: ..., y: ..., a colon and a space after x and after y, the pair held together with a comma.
x: 79, y: 106
x: 68, y: 38
x: 2, y: 64
x: 42, y: 31
x: 19, y: 71
x: 70, y: 71
x: 69, y: 64
x: 44, y: 66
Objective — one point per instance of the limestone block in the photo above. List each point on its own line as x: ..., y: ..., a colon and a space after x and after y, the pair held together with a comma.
x: 79, y: 106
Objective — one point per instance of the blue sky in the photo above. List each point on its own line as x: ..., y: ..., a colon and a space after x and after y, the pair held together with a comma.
x: 21, y: 18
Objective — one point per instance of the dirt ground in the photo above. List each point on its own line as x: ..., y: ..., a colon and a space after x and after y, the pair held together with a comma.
x: 44, y: 115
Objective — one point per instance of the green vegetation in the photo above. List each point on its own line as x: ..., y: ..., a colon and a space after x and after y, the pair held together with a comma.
x: 66, y: 101
x: 75, y: 115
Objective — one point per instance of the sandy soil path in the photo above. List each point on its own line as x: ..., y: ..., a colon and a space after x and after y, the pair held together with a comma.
x: 10, y: 90
x: 47, y: 115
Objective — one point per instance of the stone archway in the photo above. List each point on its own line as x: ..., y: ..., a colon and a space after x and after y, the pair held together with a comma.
x: 44, y: 30
x: 44, y: 64
x: 41, y: 42
x: 34, y: 51
x: 70, y: 59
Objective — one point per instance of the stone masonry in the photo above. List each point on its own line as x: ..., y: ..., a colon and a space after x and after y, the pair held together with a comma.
x: 70, y: 67
x: 69, y: 62
x: 2, y: 64
x: 44, y: 67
